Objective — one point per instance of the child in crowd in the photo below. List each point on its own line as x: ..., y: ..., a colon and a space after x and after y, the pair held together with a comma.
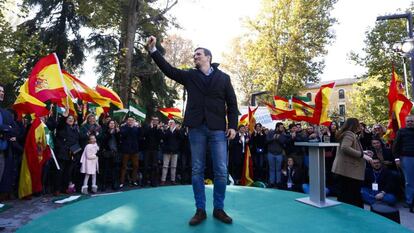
x: 90, y: 164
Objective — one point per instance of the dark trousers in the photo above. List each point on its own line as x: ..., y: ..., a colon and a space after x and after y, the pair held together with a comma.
x: 109, y: 171
x: 259, y: 166
x: 184, y: 161
x: 152, y: 169
x: 349, y: 191
x: 63, y: 176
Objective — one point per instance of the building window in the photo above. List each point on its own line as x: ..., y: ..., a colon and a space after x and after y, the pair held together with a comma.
x: 309, y: 96
x: 341, y: 93
x: 342, y: 109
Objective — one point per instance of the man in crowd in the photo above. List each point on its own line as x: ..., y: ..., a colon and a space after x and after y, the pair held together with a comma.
x: 403, y: 149
x: 211, y: 98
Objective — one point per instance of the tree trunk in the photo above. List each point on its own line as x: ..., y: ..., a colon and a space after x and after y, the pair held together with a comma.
x: 128, y: 29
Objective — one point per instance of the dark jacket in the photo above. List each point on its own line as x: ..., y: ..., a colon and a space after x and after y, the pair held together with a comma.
x: 258, y: 143
x: 107, y: 137
x: 66, y: 137
x: 383, y: 178
x: 7, y: 130
x: 275, y: 145
x: 129, y: 139
x: 404, y: 143
x: 208, y: 103
x: 296, y: 176
x: 153, y: 137
x: 172, y: 141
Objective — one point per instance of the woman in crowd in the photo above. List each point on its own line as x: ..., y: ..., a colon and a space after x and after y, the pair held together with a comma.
x: 237, y: 149
x: 68, y: 150
x: 349, y: 163
x: 110, y: 159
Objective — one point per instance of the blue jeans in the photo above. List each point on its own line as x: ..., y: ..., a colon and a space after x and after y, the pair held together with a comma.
x: 201, y: 137
x: 275, y: 168
x: 368, y: 196
x: 407, y: 165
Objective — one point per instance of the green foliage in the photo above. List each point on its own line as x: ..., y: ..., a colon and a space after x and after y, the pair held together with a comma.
x: 369, y: 100
x: 289, y: 38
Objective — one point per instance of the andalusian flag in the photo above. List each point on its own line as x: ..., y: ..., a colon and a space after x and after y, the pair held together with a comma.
x: 138, y: 111
x: 110, y: 94
x: 303, y: 111
x: 171, y: 112
x: 45, y: 81
x: 36, y: 153
x: 400, y: 107
x: 27, y: 104
x: 81, y: 91
x: 322, y: 105
x: 279, y: 114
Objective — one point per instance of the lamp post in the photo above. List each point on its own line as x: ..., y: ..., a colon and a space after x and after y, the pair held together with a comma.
x: 253, y: 97
x: 407, y: 46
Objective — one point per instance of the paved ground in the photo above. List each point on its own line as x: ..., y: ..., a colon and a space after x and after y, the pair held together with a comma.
x: 23, y: 211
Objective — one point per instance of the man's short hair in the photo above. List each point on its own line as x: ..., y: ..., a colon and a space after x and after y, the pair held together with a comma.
x: 206, y: 52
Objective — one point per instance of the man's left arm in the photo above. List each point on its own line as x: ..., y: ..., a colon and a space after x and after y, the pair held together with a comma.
x: 231, y: 102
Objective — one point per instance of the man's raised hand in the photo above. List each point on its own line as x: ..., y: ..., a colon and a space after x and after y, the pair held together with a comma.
x: 151, y: 41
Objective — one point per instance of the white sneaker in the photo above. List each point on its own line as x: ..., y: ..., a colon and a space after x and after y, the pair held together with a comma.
x: 84, y: 190
x: 121, y: 185
x: 94, y: 188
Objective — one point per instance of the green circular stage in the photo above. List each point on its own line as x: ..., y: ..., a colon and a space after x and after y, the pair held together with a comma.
x: 168, y: 209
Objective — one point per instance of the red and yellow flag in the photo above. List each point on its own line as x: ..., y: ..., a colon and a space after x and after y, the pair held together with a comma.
x: 247, y: 175
x: 110, y: 94
x: 322, y: 105
x: 252, y: 119
x: 279, y: 114
x: 45, y: 80
x: 303, y: 111
x: 83, y: 92
x: 244, y: 119
x: 281, y: 103
x: 171, y: 112
x: 400, y: 107
x: 36, y: 153
x: 27, y: 104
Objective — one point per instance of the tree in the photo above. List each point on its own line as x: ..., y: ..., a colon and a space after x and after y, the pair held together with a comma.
x: 58, y: 24
x: 240, y: 69
x: 289, y: 38
x: 370, y: 97
x: 367, y: 100
x: 119, y: 42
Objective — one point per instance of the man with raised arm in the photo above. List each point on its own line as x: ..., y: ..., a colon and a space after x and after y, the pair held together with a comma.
x: 211, y: 99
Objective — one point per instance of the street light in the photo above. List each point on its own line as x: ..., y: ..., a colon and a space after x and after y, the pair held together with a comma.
x: 408, y: 44
x: 253, y: 97
x: 405, y: 49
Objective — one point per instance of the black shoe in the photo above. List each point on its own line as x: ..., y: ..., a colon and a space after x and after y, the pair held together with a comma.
x: 222, y: 216
x: 411, y: 207
x: 198, y: 217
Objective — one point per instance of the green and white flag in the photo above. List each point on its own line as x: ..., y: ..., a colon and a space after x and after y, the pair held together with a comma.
x: 138, y: 111
x: 119, y: 115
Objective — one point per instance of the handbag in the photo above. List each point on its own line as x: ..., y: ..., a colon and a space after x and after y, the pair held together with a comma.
x: 75, y: 148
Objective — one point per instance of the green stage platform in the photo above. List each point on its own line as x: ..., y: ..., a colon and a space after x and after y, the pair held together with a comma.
x: 168, y: 209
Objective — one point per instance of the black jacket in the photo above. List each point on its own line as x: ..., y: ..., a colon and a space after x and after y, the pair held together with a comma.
x: 208, y: 103
x: 152, y: 138
x: 129, y: 139
x: 404, y: 143
x: 172, y: 141
x: 66, y: 137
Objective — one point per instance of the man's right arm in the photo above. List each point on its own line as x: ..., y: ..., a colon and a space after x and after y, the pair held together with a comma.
x: 170, y: 71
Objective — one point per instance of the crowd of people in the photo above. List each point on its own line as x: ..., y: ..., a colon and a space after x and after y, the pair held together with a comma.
x: 119, y: 154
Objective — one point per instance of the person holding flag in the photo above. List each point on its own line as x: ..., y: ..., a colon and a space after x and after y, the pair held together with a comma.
x: 211, y: 98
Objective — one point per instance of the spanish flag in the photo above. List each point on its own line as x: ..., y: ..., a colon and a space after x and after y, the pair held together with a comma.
x: 36, y: 153
x: 244, y: 119
x: 279, y: 114
x: 171, y: 112
x: 281, y: 103
x: 303, y: 111
x: 110, y: 94
x: 45, y: 81
x: 252, y: 119
x: 27, y: 104
x: 400, y: 107
x: 247, y: 176
x: 81, y: 91
x: 322, y: 105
